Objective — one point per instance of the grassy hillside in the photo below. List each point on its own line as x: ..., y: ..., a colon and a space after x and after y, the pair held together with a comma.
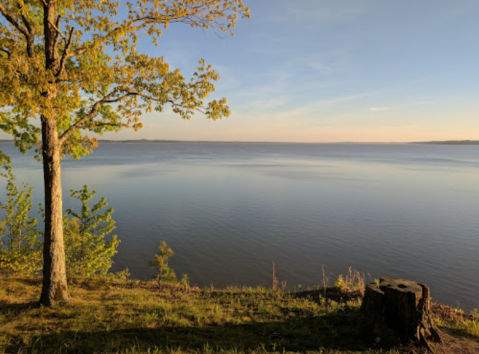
x: 140, y: 317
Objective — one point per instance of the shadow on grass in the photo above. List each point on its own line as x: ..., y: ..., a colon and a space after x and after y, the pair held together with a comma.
x: 33, y: 281
x: 307, y: 334
x: 17, y: 308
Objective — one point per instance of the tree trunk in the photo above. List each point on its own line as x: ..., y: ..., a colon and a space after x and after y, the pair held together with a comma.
x: 54, y: 273
x: 398, y: 312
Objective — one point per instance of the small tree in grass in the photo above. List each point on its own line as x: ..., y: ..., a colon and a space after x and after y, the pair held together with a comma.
x: 160, y: 261
x: 20, y: 252
x: 87, y: 252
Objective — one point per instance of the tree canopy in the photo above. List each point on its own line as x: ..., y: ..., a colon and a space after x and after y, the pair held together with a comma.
x: 77, y: 62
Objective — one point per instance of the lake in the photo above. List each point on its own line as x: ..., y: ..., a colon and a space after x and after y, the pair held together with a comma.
x: 229, y: 210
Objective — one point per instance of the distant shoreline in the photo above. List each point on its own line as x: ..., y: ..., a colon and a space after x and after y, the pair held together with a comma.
x: 450, y: 142
x: 146, y: 141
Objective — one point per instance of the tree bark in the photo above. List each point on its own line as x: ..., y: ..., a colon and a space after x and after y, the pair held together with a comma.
x: 398, y: 311
x: 55, y: 287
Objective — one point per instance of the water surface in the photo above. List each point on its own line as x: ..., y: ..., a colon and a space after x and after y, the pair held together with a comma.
x: 229, y: 210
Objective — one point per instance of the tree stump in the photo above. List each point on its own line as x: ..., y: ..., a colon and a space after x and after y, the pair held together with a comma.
x: 398, y: 312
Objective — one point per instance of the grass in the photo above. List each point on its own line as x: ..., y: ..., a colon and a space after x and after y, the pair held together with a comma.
x: 456, y: 320
x: 141, y: 317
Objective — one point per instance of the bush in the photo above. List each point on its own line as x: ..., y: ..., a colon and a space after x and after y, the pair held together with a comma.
x: 87, y: 253
x: 160, y: 261
x: 20, y: 248
x: 86, y: 250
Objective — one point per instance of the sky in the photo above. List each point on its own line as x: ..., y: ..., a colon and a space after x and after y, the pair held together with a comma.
x: 332, y: 71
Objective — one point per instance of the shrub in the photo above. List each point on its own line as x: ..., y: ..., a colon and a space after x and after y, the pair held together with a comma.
x: 160, y: 261
x: 87, y: 253
x: 20, y: 248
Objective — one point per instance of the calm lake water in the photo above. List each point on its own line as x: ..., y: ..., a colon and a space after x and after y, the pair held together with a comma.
x: 229, y: 210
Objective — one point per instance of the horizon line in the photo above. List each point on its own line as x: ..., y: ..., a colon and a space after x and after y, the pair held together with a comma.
x: 273, y: 142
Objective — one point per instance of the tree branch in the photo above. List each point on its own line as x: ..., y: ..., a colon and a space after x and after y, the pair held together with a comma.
x: 142, y: 23
x: 58, y: 33
x: 5, y: 51
x: 65, y: 53
x: 148, y: 20
x: 106, y: 100
x: 126, y: 95
x: 27, y: 23
x: 172, y: 102
x: 107, y: 124
x: 12, y: 21
x: 187, y: 16
x: 79, y: 123
x: 56, y: 26
x: 27, y: 32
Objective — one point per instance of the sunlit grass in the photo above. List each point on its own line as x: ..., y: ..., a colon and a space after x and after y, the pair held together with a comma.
x: 141, y: 317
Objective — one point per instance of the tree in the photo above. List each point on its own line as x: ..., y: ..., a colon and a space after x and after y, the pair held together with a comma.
x: 73, y: 67
x: 160, y: 261
x: 87, y: 252
x: 20, y: 251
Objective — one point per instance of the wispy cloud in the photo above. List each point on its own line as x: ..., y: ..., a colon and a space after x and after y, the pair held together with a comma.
x: 380, y: 109
x: 325, y: 11
x: 318, y: 66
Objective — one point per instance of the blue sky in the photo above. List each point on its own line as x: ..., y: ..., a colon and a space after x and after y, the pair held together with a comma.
x: 333, y: 70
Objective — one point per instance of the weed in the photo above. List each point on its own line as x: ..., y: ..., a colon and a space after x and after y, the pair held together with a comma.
x: 340, y: 282
x: 275, y: 280
x: 185, y: 282
x: 354, y: 280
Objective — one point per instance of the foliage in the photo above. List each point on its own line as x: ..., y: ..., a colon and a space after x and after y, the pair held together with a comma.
x: 340, y: 282
x: 185, y: 281
x: 354, y: 280
x: 160, y: 261
x: 81, y: 68
x: 122, y: 275
x: 20, y: 251
x: 87, y: 252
